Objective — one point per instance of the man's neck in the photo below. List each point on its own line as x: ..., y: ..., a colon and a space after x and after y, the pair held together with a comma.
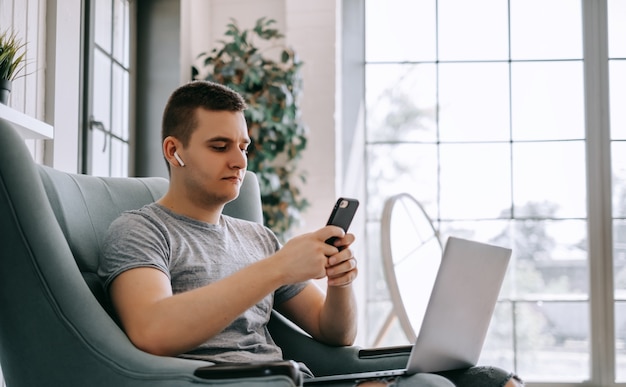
x: 182, y: 206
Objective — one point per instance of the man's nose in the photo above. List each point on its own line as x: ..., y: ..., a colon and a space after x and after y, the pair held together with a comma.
x: 239, y: 159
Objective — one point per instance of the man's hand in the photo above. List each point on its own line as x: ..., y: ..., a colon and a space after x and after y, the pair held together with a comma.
x: 342, y: 267
x: 329, y: 317
x: 308, y: 257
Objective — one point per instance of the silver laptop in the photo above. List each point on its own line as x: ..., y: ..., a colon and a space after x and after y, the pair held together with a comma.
x: 458, y: 313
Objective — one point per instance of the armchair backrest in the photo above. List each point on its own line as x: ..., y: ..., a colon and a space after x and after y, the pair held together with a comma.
x: 85, y: 206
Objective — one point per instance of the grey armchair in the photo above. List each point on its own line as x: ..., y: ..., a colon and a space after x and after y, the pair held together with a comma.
x: 56, y: 325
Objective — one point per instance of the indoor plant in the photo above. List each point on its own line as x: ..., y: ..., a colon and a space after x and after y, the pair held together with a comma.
x: 271, y: 88
x: 12, y: 62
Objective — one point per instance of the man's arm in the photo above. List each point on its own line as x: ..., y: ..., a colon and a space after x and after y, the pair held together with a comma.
x: 332, y: 317
x: 161, y: 323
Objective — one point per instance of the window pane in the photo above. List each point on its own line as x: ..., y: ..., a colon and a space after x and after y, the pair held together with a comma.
x: 102, y: 20
x: 468, y: 187
x: 546, y: 29
x: 488, y: 231
x: 549, y: 180
x: 120, y: 31
x: 401, y: 102
x: 547, y: 101
x: 119, y: 158
x: 120, y: 102
x: 100, y: 153
x: 474, y: 101
x: 409, y: 23
x: 378, y: 290
x: 550, y: 258
x: 617, y: 28
x: 617, y: 74
x: 102, y: 89
x: 618, y: 167
x: 498, y: 348
x: 553, y: 340
x: 394, y: 169
x: 620, y: 340
x: 379, y: 305
x: 619, y: 279
x: 619, y: 258
x: 377, y: 313
x: 473, y: 30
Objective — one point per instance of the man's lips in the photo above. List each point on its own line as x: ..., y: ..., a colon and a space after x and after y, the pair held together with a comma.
x: 233, y: 178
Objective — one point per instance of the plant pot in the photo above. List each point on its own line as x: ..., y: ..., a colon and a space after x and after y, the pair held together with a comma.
x: 5, y: 90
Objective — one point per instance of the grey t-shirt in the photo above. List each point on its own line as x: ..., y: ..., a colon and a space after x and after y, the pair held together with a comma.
x: 193, y: 254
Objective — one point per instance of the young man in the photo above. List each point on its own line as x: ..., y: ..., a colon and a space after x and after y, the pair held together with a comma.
x: 185, y: 279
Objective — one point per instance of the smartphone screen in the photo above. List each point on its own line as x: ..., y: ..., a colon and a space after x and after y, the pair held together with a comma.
x: 342, y: 215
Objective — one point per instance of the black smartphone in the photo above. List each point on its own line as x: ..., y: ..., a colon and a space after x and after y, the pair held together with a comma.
x: 342, y: 215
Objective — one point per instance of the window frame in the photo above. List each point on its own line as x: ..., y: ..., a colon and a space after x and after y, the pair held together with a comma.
x: 599, y: 201
x: 92, y: 124
x: 599, y: 195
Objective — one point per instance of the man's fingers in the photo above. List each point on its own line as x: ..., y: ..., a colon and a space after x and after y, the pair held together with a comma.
x: 347, y: 240
x: 328, y: 232
x: 343, y: 279
x: 341, y: 267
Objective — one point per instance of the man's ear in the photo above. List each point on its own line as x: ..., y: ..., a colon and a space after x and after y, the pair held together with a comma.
x: 170, y: 144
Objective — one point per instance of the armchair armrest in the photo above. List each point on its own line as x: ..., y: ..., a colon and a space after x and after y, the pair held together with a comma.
x: 382, y: 352
x: 288, y: 368
x: 324, y: 359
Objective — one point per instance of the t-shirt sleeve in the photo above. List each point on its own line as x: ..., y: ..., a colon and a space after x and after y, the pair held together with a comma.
x: 133, y: 241
x: 287, y: 292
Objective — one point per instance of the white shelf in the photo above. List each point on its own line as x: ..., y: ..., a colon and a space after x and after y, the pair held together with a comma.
x: 27, y: 126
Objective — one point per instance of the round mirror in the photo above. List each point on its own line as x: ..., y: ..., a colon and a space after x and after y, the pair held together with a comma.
x: 411, y: 251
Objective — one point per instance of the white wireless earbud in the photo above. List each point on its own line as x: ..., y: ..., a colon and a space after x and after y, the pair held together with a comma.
x: 180, y: 161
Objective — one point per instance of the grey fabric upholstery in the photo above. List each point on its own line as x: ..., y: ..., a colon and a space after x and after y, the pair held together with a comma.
x: 54, y: 325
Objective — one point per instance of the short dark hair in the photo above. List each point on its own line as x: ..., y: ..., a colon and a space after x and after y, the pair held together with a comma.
x: 179, y: 115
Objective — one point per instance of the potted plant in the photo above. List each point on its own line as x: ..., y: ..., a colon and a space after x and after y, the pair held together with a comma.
x: 271, y: 88
x: 12, y: 62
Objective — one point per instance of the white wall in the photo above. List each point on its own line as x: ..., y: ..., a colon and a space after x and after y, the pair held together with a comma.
x: 63, y: 87
x: 310, y: 29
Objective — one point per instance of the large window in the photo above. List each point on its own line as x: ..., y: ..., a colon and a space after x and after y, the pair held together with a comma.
x: 494, y: 115
x: 107, y: 74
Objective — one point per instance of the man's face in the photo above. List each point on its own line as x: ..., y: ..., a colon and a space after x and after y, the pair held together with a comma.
x: 216, y: 157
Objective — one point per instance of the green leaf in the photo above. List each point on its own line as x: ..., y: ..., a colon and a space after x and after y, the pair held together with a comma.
x: 12, y: 55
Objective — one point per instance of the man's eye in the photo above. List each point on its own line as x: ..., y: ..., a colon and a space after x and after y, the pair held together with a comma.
x: 219, y: 148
